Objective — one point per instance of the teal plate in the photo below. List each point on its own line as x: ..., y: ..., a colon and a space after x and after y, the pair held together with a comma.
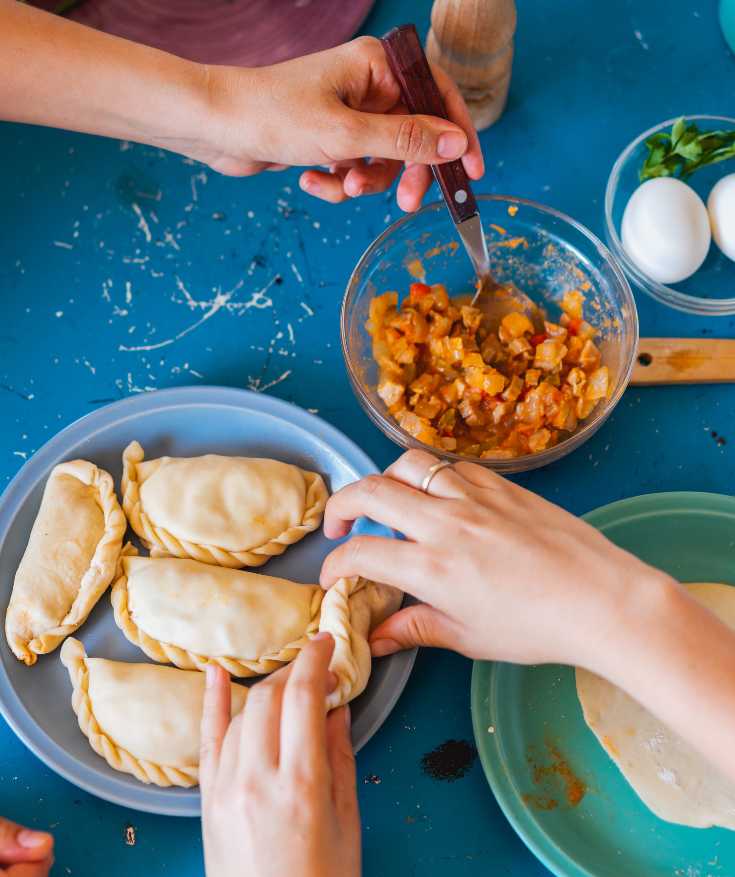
x: 529, y: 728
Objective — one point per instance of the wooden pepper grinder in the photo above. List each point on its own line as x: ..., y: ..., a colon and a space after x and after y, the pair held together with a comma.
x: 473, y: 41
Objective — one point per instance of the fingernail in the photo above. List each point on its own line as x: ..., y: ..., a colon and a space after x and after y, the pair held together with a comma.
x: 308, y: 185
x: 451, y: 144
x: 381, y: 647
x: 322, y: 635
x: 332, y: 681
x: 31, y: 839
x: 210, y: 674
x: 348, y: 716
x: 353, y: 189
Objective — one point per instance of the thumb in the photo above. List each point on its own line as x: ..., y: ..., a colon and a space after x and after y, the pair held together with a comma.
x: 422, y: 139
x: 18, y: 844
x: 415, y: 626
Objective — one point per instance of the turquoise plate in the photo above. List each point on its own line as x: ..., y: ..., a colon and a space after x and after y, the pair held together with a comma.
x: 529, y: 727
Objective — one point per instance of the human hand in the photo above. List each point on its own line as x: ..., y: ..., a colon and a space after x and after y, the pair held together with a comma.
x: 505, y: 575
x: 278, y: 782
x: 24, y: 852
x: 341, y: 109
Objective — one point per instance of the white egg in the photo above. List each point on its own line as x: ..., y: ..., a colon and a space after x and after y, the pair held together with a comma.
x: 721, y: 207
x: 665, y: 229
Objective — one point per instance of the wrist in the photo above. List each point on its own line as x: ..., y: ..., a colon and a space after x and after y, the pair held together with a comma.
x: 647, y: 600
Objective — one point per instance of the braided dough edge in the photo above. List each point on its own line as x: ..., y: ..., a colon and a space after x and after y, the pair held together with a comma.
x: 167, y: 653
x: 163, y: 543
x: 101, y: 569
x: 73, y: 657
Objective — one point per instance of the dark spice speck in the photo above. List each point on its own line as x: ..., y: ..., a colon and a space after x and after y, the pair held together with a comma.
x: 372, y: 779
x: 720, y: 440
x: 450, y: 761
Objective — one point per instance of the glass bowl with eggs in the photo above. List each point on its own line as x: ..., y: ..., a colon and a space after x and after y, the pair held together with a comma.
x: 670, y: 213
x: 514, y: 390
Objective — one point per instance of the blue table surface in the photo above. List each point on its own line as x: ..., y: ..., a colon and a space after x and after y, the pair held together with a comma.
x: 238, y: 282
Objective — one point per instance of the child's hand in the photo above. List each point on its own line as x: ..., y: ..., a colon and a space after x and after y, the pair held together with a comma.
x: 278, y: 782
x: 23, y: 852
x: 340, y: 109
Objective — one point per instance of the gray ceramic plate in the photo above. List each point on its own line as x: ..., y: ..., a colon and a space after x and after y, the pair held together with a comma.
x: 182, y: 422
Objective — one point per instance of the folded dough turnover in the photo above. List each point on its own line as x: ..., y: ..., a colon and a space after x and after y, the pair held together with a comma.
x: 143, y: 719
x: 191, y: 614
x: 70, y: 559
x: 230, y: 511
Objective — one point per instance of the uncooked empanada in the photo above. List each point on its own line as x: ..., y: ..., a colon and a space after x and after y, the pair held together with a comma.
x: 71, y: 557
x: 143, y: 719
x: 351, y: 609
x: 191, y: 614
x: 230, y: 511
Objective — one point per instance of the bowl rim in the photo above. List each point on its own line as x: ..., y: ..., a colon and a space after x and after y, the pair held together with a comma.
x: 690, y: 304
x: 525, y: 462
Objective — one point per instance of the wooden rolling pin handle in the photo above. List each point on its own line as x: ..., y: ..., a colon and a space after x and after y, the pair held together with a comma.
x: 684, y: 361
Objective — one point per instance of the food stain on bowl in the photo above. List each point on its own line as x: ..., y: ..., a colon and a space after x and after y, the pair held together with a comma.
x: 556, y: 778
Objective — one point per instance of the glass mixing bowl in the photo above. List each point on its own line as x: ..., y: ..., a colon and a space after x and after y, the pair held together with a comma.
x: 710, y: 290
x: 543, y: 252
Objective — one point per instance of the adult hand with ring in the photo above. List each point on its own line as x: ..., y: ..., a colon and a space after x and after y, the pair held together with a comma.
x: 506, y: 575
x: 503, y: 573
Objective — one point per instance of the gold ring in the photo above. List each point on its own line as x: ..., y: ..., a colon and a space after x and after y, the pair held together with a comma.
x: 437, y: 467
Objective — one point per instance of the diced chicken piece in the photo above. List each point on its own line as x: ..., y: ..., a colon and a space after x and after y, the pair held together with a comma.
x: 498, y: 454
x: 573, y: 303
x: 440, y: 326
x: 501, y: 410
x: 539, y: 440
x: 440, y: 296
x: 447, y: 421
x: 577, y: 380
x: 390, y: 392
x: 590, y: 356
x: 417, y: 427
x: 404, y: 352
x: 379, y: 306
x: 585, y: 407
x: 451, y: 393
x: 574, y: 349
x: 473, y: 360
x: 549, y: 354
x: 516, y: 325
x: 514, y: 389
x: 520, y: 346
x: 487, y: 379
x: 471, y: 412
x: 448, y: 443
x: 598, y: 384
x: 429, y: 408
x: 426, y: 383
x: 471, y: 318
x: 532, y: 377
x: 554, y: 330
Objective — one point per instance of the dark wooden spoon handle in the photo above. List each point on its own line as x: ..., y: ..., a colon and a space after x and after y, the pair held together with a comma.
x: 421, y: 95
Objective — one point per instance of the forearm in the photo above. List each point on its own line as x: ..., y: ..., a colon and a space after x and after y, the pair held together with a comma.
x: 58, y: 73
x: 678, y: 659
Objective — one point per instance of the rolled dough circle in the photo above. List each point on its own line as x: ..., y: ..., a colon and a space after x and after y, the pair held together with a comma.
x: 671, y: 778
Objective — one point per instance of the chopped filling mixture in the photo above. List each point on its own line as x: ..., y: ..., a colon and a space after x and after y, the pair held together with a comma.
x: 454, y: 381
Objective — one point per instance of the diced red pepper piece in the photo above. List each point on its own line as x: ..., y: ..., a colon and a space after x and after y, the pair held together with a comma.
x: 538, y: 339
x: 573, y: 326
x: 419, y: 290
